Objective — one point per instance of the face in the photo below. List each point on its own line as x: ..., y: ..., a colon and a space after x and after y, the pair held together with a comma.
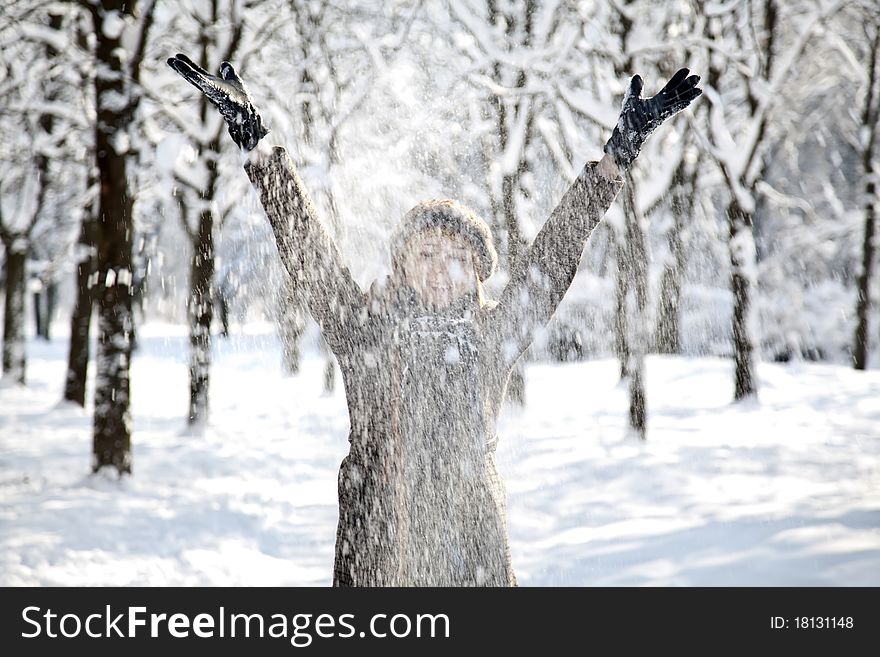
x: 439, y: 267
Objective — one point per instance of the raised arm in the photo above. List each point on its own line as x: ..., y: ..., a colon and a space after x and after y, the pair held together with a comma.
x: 307, y: 251
x: 544, y: 274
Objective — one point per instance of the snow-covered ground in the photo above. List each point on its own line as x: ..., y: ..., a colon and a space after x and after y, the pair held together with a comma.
x: 785, y: 491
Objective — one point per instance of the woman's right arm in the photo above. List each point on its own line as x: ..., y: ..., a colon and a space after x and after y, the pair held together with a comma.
x: 309, y: 255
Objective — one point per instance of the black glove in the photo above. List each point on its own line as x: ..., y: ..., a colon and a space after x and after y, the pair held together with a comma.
x: 639, y: 117
x: 229, y: 95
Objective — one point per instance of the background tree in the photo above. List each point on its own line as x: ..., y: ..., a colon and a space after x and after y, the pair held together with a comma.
x: 870, y: 117
x: 750, y: 62
x: 631, y: 301
x: 117, y: 97
x: 217, y: 28
x: 32, y: 196
x: 523, y: 66
x: 85, y: 253
x: 329, y: 61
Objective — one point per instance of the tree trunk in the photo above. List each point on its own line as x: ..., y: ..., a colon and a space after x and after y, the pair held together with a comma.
x: 112, y: 425
x: 516, y: 385
x: 201, y: 314
x: 81, y: 317
x: 223, y: 310
x: 863, y: 302
x: 667, y: 335
x: 13, y: 317
x: 86, y: 279
x: 39, y: 315
x: 44, y: 308
x: 742, y: 264
x: 51, y: 304
x: 291, y: 326
x: 621, y: 289
x: 200, y: 305
x: 510, y: 181
x: 623, y: 249
x: 635, y: 302
x: 291, y: 317
x: 80, y: 322
x: 870, y: 116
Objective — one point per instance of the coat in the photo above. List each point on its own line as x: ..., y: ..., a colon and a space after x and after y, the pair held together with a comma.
x: 420, y: 498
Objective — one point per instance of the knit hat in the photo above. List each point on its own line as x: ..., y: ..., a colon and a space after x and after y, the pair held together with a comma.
x: 456, y: 218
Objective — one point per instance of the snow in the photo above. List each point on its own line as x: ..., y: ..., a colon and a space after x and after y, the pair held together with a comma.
x: 780, y: 492
x: 19, y: 245
x: 169, y: 150
x: 113, y: 24
x: 598, y: 112
x: 124, y: 277
x: 121, y: 142
x: 113, y: 101
x: 42, y: 33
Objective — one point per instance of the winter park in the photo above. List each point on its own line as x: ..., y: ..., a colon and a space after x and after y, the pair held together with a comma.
x: 440, y: 293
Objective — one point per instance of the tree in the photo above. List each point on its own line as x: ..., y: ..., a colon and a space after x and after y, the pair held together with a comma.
x: 521, y: 64
x: 117, y: 79
x: 202, y: 212
x: 85, y: 252
x: 336, y: 66
x: 29, y: 82
x: 750, y: 62
x: 682, y: 203
x: 200, y: 304
x: 631, y: 331
x: 319, y: 91
x: 682, y: 191
x: 514, y: 119
x: 81, y: 315
x: 870, y: 117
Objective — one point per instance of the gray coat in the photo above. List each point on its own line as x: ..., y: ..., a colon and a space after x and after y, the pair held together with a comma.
x: 420, y: 499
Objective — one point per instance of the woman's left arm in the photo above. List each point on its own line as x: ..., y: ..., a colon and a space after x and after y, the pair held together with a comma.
x: 543, y: 276
x: 545, y: 272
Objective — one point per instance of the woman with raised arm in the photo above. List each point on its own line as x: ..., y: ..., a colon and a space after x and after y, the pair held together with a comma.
x: 425, y: 358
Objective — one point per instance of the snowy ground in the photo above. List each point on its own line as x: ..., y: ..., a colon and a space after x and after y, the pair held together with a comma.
x: 784, y: 492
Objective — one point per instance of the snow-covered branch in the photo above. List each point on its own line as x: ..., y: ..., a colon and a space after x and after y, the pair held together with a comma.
x: 600, y: 114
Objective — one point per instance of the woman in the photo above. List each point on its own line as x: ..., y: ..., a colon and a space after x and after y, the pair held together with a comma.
x: 424, y: 357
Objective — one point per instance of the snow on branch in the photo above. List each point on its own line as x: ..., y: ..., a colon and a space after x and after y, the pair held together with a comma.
x: 533, y: 87
x: 45, y: 35
x: 143, y: 32
x: 199, y: 132
x: 653, y: 191
x: 599, y: 113
x: 58, y: 109
x: 740, y: 160
x: 547, y: 130
x: 536, y: 59
x: 855, y: 68
x: 512, y: 156
x: 785, y: 200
